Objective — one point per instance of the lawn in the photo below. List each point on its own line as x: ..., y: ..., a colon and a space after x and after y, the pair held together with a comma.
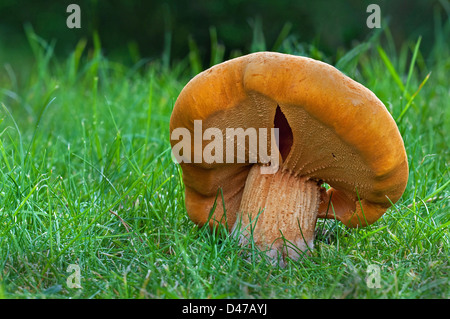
x: 87, y: 180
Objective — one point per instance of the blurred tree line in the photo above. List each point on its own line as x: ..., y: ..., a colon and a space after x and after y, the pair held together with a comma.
x: 136, y: 29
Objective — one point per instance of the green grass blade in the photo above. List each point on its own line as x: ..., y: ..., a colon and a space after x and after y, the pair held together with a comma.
x: 411, y: 99
x: 284, y: 33
x: 258, y: 41
x: 391, y: 68
x: 411, y: 67
x: 346, y: 60
x: 194, y: 56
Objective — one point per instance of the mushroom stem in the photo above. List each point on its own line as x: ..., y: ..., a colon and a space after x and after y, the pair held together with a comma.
x: 278, y: 209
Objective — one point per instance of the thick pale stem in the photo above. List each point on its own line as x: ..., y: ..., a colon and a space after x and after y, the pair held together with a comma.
x: 279, y: 211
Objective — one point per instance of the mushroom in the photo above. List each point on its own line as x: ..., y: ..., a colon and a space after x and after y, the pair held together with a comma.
x: 331, y: 130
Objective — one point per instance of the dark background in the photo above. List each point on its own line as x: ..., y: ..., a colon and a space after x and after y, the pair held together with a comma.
x: 130, y: 30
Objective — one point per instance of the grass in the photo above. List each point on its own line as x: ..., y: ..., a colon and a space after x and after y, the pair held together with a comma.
x: 87, y: 179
